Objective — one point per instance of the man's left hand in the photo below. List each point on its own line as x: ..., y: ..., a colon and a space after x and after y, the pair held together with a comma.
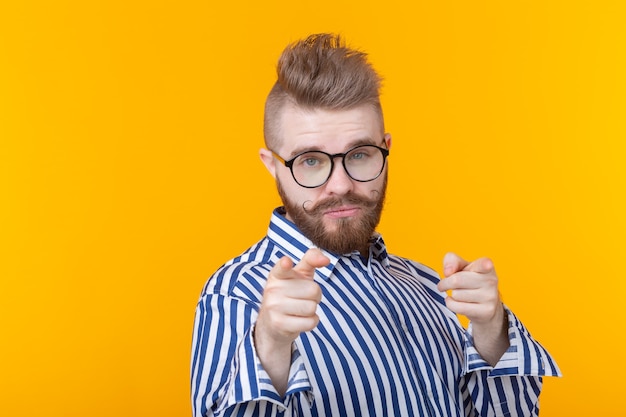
x: 474, y: 293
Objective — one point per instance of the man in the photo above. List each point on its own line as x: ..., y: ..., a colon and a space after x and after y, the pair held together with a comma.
x: 317, y: 319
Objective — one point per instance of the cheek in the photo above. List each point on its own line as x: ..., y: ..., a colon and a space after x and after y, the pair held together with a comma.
x: 370, y: 189
x: 295, y: 193
x: 304, y: 194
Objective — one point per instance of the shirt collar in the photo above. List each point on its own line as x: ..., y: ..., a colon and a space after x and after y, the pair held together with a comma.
x: 290, y: 239
x: 378, y: 249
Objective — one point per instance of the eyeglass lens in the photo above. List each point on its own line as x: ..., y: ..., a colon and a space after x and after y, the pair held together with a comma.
x: 312, y: 169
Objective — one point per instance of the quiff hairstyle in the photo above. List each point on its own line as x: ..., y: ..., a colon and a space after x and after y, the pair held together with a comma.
x: 320, y: 72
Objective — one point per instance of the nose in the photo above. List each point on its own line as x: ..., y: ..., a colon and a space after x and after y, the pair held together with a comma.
x: 339, y: 181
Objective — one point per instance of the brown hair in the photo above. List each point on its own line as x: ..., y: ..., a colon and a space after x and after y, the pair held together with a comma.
x: 320, y: 72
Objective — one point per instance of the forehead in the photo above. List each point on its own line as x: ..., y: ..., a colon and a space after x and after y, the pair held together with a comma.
x: 328, y: 130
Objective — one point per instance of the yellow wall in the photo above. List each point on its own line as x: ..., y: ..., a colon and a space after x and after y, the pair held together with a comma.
x: 129, y: 133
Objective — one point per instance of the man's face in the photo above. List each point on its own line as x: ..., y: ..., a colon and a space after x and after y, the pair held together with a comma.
x: 340, y: 215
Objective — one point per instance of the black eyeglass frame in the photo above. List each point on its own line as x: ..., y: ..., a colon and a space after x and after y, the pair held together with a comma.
x: 289, y: 163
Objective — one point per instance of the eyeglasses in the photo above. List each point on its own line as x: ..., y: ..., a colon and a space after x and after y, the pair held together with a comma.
x: 311, y: 169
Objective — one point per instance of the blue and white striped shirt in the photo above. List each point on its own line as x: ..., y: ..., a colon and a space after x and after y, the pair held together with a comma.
x: 385, y: 345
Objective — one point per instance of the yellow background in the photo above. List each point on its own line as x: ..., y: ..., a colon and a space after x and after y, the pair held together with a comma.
x: 129, y: 133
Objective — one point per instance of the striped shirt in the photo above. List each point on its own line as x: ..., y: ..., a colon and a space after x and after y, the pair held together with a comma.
x: 385, y: 345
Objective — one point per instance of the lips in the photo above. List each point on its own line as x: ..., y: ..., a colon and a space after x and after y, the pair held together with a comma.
x: 342, y: 211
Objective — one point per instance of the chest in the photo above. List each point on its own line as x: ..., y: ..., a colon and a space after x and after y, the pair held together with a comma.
x: 383, y: 342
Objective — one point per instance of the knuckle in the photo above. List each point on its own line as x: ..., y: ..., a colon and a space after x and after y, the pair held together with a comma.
x: 490, y: 310
x: 311, y: 323
x: 271, y: 292
x: 308, y: 308
x: 453, y: 280
x: 312, y: 290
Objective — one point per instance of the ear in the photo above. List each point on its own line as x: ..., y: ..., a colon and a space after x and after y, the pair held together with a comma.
x: 387, y: 138
x: 268, y: 160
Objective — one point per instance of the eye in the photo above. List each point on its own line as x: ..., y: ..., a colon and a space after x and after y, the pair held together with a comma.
x: 359, y: 154
x: 311, y: 160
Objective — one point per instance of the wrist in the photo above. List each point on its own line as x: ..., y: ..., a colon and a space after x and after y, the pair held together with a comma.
x: 491, y: 338
x: 495, y: 326
x: 275, y: 358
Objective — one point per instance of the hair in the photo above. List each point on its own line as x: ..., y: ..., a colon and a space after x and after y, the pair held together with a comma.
x: 320, y: 72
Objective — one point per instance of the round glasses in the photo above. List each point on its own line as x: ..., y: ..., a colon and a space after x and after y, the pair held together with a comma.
x: 311, y: 169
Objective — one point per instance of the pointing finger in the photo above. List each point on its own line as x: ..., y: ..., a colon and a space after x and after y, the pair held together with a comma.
x: 481, y: 266
x: 283, y: 268
x: 312, y: 259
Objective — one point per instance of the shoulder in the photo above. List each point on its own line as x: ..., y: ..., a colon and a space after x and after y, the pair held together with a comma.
x: 244, y: 276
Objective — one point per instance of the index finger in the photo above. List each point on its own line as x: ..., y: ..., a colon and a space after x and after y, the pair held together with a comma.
x: 312, y: 259
x: 283, y: 268
x: 482, y: 266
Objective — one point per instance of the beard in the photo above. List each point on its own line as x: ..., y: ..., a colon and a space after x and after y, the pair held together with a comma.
x: 350, y: 233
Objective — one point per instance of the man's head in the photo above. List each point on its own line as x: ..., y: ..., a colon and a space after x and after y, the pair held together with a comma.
x: 320, y: 72
x: 326, y: 100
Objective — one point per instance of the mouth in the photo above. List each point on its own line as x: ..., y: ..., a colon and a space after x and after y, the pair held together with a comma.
x: 342, y: 212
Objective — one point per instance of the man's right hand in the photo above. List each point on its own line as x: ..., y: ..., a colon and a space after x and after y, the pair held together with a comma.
x: 288, y: 308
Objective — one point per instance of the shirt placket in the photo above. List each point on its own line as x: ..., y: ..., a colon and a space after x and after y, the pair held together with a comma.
x: 433, y: 390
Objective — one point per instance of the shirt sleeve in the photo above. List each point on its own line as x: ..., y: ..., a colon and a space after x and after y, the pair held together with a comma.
x: 512, y: 386
x: 226, y: 373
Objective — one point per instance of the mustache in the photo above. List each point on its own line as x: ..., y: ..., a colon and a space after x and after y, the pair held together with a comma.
x: 332, y: 202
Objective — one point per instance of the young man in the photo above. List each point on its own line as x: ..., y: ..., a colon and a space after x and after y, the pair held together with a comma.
x: 317, y: 319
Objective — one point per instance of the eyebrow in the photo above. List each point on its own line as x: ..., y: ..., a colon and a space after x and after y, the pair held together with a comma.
x: 351, y: 144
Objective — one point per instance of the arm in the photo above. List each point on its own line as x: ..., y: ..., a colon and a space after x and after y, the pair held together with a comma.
x: 504, y: 366
x: 226, y: 373
x: 288, y: 308
x: 221, y: 355
x: 512, y: 386
x: 227, y: 370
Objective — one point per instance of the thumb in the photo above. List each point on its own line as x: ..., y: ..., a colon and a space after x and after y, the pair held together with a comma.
x: 312, y: 259
x: 453, y: 263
